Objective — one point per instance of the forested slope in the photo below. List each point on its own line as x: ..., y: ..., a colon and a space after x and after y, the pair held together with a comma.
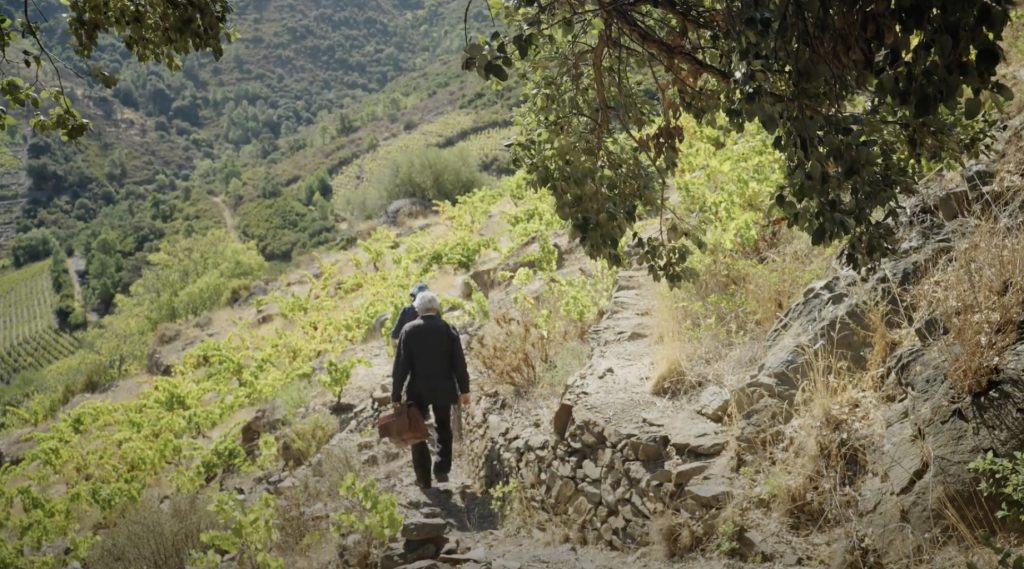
x: 249, y: 143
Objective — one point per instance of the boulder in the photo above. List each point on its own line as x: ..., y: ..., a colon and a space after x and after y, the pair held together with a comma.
x: 684, y: 473
x: 474, y: 556
x: 267, y: 314
x: 406, y: 208
x: 266, y: 420
x: 713, y: 402
x: 376, y: 330
x: 424, y: 528
x: 485, y: 276
x: 979, y: 175
x: 157, y: 364
x: 420, y: 549
x: 931, y: 436
x: 591, y: 492
x: 709, y: 491
x: 426, y: 564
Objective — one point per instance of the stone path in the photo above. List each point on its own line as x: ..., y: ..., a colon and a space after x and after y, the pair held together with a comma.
x: 613, y: 390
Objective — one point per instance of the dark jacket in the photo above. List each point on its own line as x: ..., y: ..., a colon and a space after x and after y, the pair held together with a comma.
x: 430, y: 356
x: 408, y: 315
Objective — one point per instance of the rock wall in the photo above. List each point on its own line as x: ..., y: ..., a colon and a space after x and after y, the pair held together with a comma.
x: 607, y: 483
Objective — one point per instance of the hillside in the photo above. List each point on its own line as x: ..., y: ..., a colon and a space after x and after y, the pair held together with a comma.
x: 196, y: 298
x: 236, y: 144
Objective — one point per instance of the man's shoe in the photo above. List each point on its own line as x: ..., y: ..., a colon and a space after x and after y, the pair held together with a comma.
x: 423, y: 484
x: 441, y: 477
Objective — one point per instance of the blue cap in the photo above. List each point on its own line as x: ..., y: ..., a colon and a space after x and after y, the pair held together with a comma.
x: 418, y: 289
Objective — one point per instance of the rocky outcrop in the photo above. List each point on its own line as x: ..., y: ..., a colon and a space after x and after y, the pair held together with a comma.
x: 920, y: 473
x: 405, y: 209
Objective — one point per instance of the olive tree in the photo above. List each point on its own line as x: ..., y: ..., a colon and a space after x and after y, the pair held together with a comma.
x: 860, y: 96
x: 157, y: 31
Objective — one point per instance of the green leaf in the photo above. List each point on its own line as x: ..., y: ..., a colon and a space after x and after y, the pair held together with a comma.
x: 1003, y: 91
x: 972, y: 108
x: 495, y: 70
x: 473, y: 49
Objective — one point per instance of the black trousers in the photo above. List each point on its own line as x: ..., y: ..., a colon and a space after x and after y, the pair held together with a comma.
x: 421, y: 452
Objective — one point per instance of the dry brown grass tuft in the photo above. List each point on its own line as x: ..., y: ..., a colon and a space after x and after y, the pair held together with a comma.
x: 153, y: 536
x: 816, y: 470
x: 710, y: 330
x: 979, y: 296
x: 671, y: 378
x: 303, y: 511
x: 306, y: 437
x: 520, y: 352
x: 676, y: 534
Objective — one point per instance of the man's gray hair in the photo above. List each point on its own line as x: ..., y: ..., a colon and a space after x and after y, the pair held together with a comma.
x: 427, y: 302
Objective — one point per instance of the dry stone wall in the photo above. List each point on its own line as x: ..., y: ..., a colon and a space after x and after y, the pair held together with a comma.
x: 607, y: 483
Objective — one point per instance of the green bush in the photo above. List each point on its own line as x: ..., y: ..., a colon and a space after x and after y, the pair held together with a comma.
x: 428, y: 173
x: 432, y: 174
x: 1004, y: 479
x: 33, y: 246
x: 189, y: 276
x: 282, y: 226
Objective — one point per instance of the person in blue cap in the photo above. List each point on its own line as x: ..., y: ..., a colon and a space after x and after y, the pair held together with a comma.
x: 408, y: 313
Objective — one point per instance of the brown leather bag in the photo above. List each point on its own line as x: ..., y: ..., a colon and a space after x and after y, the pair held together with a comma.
x: 403, y: 427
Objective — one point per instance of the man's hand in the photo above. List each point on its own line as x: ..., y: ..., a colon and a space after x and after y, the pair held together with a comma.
x: 396, y: 405
x: 464, y: 400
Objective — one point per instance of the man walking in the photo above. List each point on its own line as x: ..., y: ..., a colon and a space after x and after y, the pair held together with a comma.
x: 407, y: 315
x: 431, y: 366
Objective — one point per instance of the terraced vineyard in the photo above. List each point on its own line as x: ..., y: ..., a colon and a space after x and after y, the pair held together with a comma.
x: 29, y: 336
x: 13, y: 185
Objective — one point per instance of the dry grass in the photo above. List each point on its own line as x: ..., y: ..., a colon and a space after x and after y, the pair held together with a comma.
x: 978, y: 293
x: 306, y: 437
x: 303, y: 530
x: 816, y: 470
x: 676, y: 534
x: 710, y: 330
x: 525, y: 354
x: 154, y: 537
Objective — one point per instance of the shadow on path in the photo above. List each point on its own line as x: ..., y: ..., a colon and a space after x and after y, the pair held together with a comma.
x: 466, y: 511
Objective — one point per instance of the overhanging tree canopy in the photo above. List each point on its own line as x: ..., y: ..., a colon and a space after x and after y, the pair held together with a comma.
x: 860, y: 95
x: 159, y: 31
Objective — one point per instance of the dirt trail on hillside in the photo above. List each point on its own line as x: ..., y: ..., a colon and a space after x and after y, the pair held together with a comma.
x: 74, y: 280
x: 225, y: 213
x: 613, y: 390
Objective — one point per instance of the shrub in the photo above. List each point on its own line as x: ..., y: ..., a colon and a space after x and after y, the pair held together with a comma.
x: 189, y: 276
x: 33, y: 246
x: 978, y: 293
x: 277, y: 225
x: 726, y: 540
x: 709, y: 330
x: 541, y: 341
x: 1004, y: 479
x: 675, y: 533
x: 247, y: 531
x: 298, y: 529
x: 154, y: 537
x: 306, y: 438
x: 428, y: 173
x: 375, y: 513
x: 337, y: 374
